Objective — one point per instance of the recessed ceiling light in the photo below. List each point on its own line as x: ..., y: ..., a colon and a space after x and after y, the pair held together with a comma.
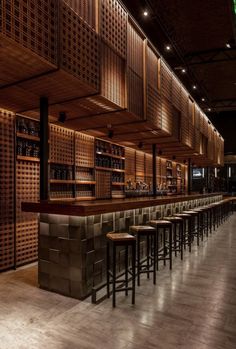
x: 228, y: 45
x: 168, y: 48
x: 209, y: 109
x: 203, y: 100
x: 145, y: 13
x: 183, y: 70
x: 194, y: 87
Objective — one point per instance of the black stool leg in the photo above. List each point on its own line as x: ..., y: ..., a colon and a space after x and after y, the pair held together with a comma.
x: 148, y: 257
x: 181, y: 232
x: 108, y: 271
x: 157, y: 237
x: 138, y: 258
x: 170, y: 246
x: 155, y: 257
x: 114, y: 276
x: 126, y: 269
x: 164, y: 246
x: 133, y: 272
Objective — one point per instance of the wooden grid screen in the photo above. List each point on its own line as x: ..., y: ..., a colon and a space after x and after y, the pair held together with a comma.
x: 153, y: 96
x: 79, y: 48
x: 27, y: 189
x: 184, y: 102
x: 135, y: 51
x: 166, y: 116
x: 7, y: 190
x: 61, y: 145
x: 84, y: 150
x: 112, y: 76
x: 140, y: 164
x: 103, y: 184
x: 86, y: 9
x: 166, y: 81
x: 135, y: 94
x: 113, y: 25
x: 176, y: 93
x: 33, y: 24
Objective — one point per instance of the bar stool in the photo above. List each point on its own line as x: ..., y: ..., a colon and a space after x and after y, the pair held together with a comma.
x: 186, y: 232
x: 148, y: 265
x: 177, y: 244
x: 126, y: 240
x: 165, y: 252
x: 194, y: 228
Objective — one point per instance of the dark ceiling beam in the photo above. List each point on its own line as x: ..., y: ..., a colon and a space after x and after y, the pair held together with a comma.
x: 224, y: 104
x: 211, y: 56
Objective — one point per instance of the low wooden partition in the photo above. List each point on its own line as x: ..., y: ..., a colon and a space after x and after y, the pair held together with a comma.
x: 72, y: 236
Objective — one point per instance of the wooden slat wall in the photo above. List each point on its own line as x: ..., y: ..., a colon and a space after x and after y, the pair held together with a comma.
x: 176, y: 93
x: 7, y: 190
x: 27, y: 189
x: 80, y: 54
x: 33, y: 24
x: 140, y: 165
x: 166, y: 81
x: 84, y: 150
x: 148, y: 166
x: 112, y: 76
x: 113, y: 26
x: 103, y: 184
x: 129, y: 164
x: 61, y: 145
x: 184, y: 102
x: 86, y: 9
x: 166, y: 116
x: 153, y: 95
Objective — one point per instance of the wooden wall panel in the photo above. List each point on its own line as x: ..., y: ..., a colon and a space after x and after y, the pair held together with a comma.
x: 166, y: 116
x: 154, y: 107
x: 84, y: 150
x: 79, y: 49
x: 152, y: 69
x: 148, y: 166
x: 140, y: 164
x: 61, y: 145
x: 103, y: 184
x: 135, y: 50
x: 135, y: 94
x: 27, y: 189
x: 86, y: 9
x: 113, y: 26
x: 184, y: 102
x: 7, y: 189
x: 166, y: 81
x: 176, y: 93
x: 112, y: 76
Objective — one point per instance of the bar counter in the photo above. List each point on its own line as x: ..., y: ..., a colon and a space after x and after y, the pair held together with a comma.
x: 88, y: 208
x: 72, y: 236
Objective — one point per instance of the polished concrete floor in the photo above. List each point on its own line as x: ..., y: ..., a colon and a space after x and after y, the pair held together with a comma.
x: 192, y: 307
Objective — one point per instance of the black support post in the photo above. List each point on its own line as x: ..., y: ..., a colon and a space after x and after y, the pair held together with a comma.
x: 154, y: 171
x: 44, y: 148
x: 189, y: 176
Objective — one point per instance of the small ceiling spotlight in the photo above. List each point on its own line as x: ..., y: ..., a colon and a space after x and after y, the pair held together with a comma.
x: 140, y: 145
x: 110, y: 134
x: 228, y: 45
x: 194, y: 87
x: 209, y: 109
x: 183, y: 70
x: 145, y: 13
x: 62, y: 117
x: 203, y: 100
x: 168, y: 47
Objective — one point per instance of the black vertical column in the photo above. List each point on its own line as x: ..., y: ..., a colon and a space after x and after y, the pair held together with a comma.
x: 189, y: 176
x: 44, y: 148
x: 154, y: 171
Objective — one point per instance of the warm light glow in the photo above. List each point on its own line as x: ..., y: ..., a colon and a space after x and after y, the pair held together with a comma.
x: 228, y: 45
x: 215, y: 172
x: 168, y: 48
x: 145, y: 13
x: 203, y: 99
x: 209, y: 109
x: 229, y: 171
x: 183, y: 70
x: 194, y: 87
x: 203, y: 172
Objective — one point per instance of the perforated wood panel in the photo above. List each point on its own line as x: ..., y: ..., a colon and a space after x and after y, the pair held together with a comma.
x: 166, y: 81
x: 27, y: 189
x: 135, y: 94
x: 112, y: 76
x: 135, y: 50
x: 61, y: 145
x: 33, y: 24
x: 84, y: 150
x: 152, y: 68
x: 85, y: 9
x: 113, y: 25
x: 154, y: 107
x: 79, y: 48
x: 7, y: 190
x: 103, y: 184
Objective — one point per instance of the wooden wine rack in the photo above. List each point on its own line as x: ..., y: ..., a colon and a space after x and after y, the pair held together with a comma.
x: 27, y: 189
x: 84, y: 150
x: 103, y: 184
x: 7, y: 188
x: 61, y: 145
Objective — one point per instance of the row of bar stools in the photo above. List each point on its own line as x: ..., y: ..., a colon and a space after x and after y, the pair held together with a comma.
x: 194, y: 229
x: 164, y: 245
x: 148, y: 265
x: 177, y: 234
x: 113, y: 241
x: 186, y: 229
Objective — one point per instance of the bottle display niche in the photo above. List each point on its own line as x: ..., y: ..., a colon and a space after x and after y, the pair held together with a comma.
x: 27, y: 139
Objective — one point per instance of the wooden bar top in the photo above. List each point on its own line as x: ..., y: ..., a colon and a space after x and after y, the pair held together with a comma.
x: 88, y: 208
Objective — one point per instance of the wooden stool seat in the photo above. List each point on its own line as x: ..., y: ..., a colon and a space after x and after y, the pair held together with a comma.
x: 120, y: 237
x: 174, y: 219
x: 142, y: 229
x: 160, y: 223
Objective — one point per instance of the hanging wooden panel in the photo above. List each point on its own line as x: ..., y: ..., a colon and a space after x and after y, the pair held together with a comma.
x: 61, y: 145
x: 176, y: 92
x: 86, y: 9
x: 166, y: 81
x: 27, y: 190
x: 152, y: 68
x: 184, y: 102
x: 112, y: 76
x: 113, y: 25
x: 7, y: 189
x: 103, y: 184
x: 166, y: 116
x: 135, y: 50
x: 79, y: 48
x: 84, y: 150
x: 135, y: 94
x: 154, y: 107
x: 33, y: 24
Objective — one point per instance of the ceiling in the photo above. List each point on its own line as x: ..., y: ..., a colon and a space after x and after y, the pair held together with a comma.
x: 197, y: 32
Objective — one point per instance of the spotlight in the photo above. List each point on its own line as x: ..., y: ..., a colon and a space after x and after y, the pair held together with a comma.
x: 209, y: 109
x: 110, y: 134
x: 203, y: 100
x: 228, y: 45
x: 145, y: 13
x: 183, y: 70
x: 62, y: 117
x: 140, y: 145
x: 194, y: 87
x: 168, y: 47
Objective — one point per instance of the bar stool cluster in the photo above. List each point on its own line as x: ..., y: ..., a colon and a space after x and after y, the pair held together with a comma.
x: 164, y: 237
